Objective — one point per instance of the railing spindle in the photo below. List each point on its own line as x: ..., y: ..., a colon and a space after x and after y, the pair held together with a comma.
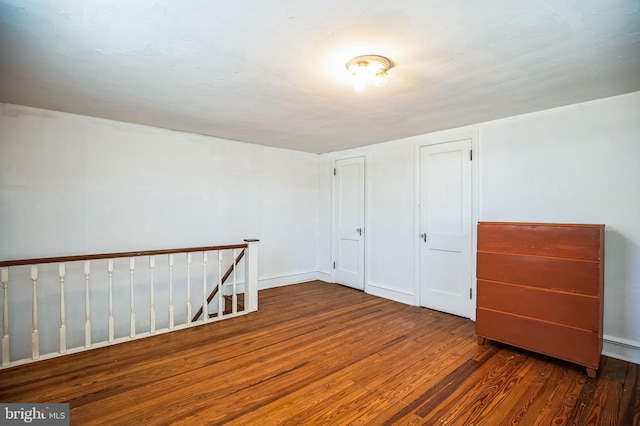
x: 152, y: 312
x: 5, y: 317
x: 111, y: 320
x: 87, y: 306
x: 234, y: 296
x: 171, y: 292
x: 220, y: 295
x: 63, y: 320
x: 251, y: 276
x: 188, y: 288
x: 35, y: 341
x: 132, y: 333
x: 205, y: 311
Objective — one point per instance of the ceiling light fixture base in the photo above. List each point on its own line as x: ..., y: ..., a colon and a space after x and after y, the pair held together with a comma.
x: 368, y: 69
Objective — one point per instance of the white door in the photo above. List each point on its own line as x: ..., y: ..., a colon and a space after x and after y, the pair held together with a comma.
x: 446, y: 227
x: 349, y: 222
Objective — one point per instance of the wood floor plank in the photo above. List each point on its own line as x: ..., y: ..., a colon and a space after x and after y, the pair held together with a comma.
x: 318, y: 353
x: 476, y: 401
x: 441, y: 391
x: 417, y: 380
x: 516, y: 405
x: 468, y: 397
x: 593, y: 405
x: 629, y: 407
x: 562, y: 399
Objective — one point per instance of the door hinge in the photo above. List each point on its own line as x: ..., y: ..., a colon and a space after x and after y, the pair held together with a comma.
x: 470, y: 293
x: 334, y: 265
x: 334, y: 171
x: 471, y: 154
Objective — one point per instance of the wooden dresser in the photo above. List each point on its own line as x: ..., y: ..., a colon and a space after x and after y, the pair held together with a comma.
x: 540, y: 287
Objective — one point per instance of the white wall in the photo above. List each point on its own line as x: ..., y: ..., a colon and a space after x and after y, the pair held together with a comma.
x: 71, y: 185
x: 575, y: 164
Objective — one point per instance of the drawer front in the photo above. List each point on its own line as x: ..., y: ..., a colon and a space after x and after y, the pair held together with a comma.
x: 575, y: 276
x: 571, y: 242
x: 560, y: 308
x: 570, y: 344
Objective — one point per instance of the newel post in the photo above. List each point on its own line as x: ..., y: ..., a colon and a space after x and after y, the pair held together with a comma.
x: 251, y: 275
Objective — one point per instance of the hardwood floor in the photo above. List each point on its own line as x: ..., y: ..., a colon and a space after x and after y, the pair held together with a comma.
x: 318, y: 353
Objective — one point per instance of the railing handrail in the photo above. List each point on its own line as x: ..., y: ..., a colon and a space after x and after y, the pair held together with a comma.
x: 59, y: 259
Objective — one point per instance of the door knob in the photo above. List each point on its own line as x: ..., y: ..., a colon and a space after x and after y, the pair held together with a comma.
x: 424, y: 237
x: 359, y: 231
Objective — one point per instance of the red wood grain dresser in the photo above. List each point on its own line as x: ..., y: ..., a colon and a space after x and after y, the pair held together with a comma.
x: 540, y: 286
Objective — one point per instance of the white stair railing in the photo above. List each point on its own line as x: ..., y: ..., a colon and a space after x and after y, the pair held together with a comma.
x: 112, y: 331
x: 171, y: 318
x: 87, y: 306
x: 35, y: 334
x: 90, y: 306
x: 5, y: 316
x: 63, y: 308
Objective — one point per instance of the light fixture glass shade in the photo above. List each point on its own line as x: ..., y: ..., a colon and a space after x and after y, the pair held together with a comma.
x: 359, y: 84
x: 368, y: 69
x: 380, y: 79
x: 361, y: 77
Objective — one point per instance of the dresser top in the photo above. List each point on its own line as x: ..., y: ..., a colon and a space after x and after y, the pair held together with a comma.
x: 583, y: 225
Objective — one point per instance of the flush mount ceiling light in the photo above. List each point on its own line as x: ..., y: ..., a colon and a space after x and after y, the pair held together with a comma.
x: 368, y: 69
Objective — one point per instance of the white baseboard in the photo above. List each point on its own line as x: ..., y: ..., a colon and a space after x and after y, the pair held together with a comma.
x: 282, y: 280
x: 324, y: 276
x: 391, y: 293
x: 375, y: 289
x: 624, y: 349
x: 279, y: 281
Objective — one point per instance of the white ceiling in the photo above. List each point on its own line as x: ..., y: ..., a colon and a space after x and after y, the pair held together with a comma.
x: 272, y: 72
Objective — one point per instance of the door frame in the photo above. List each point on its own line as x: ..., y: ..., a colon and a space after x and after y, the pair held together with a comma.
x: 367, y: 190
x: 442, y: 138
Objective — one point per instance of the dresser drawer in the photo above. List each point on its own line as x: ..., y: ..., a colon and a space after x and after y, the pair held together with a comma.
x: 576, y: 276
x: 569, y: 344
x: 556, y: 307
x: 549, y: 240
